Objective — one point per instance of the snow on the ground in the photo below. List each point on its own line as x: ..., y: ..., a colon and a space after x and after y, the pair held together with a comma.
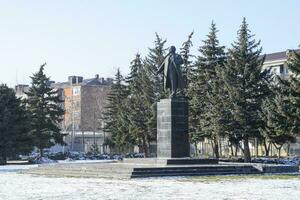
x: 86, y: 161
x: 23, y: 187
x: 14, y: 168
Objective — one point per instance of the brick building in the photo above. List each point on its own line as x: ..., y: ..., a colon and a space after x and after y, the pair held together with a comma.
x: 84, y: 101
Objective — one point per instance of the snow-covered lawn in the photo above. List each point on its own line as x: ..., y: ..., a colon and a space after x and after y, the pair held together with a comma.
x: 14, y: 168
x: 14, y: 186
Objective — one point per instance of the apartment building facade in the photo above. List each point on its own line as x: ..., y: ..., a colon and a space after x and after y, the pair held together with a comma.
x: 84, y: 102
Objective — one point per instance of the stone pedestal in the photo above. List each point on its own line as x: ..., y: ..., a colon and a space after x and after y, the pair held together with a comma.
x: 172, y: 128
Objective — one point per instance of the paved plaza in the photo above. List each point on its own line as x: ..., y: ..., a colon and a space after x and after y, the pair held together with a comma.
x: 15, y: 186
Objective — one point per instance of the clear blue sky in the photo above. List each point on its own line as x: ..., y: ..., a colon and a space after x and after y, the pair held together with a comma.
x: 78, y: 37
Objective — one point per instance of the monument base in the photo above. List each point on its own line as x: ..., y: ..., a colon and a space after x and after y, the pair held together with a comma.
x: 172, y: 128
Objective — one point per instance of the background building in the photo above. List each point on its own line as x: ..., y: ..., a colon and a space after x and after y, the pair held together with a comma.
x: 84, y: 102
x: 277, y: 63
x: 20, y: 90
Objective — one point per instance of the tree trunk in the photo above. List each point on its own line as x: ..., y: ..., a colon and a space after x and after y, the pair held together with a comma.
x: 220, y: 147
x: 256, y: 147
x: 196, y: 150
x: 288, y: 149
x: 83, y: 149
x: 236, y: 150
x: 267, y: 147
x: 145, y: 147
x: 247, y: 156
x: 212, y: 147
x: 216, y: 147
x: 278, y: 149
x: 231, y: 149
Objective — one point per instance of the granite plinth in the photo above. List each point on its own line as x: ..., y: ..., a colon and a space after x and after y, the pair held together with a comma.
x: 172, y: 128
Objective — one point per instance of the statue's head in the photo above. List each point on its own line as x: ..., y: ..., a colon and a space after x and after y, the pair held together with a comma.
x: 172, y: 49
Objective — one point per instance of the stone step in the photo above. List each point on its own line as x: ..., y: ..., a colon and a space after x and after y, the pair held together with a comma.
x: 191, y: 161
x: 189, y: 174
x: 193, y: 171
x: 213, y: 167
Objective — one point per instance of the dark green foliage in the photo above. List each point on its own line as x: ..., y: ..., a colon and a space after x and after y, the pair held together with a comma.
x: 291, y: 92
x: 115, y: 118
x: 94, y: 150
x: 247, y: 86
x: 152, y: 62
x: 43, y: 104
x: 186, y: 55
x: 14, y: 126
x: 281, y: 111
x: 140, y: 103
x: 277, y: 129
x: 205, y: 91
x: 131, y: 111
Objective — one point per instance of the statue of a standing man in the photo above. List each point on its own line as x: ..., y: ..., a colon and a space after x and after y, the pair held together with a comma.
x: 172, y: 71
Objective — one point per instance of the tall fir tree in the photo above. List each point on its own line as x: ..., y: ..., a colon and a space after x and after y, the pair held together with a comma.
x: 152, y: 83
x: 140, y: 102
x: 114, y: 116
x: 152, y: 62
x: 281, y: 112
x: 185, y: 52
x: 46, y: 113
x: 277, y: 129
x: 247, y: 85
x: 205, y: 91
x: 135, y: 68
x: 15, y: 135
x: 291, y: 92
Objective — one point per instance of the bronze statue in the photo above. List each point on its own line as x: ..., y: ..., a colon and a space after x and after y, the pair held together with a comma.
x: 172, y: 71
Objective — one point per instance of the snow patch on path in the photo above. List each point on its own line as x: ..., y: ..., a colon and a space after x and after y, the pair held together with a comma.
x: 23, y: 187
x: 15, y: 168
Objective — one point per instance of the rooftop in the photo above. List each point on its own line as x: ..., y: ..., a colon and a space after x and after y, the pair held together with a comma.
x: 78, y: 80
x: 278, y: 55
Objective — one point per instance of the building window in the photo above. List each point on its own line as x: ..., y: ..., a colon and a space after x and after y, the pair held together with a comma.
x: 76, y: 115
x: 281, y: 69
x: 76, y: 91
x: 77, y: 104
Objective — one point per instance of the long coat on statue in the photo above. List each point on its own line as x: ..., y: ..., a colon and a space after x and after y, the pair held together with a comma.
x: 172, y: 71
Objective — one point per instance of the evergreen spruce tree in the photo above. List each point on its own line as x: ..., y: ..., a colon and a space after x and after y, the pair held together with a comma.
x: 291, y: 93
x: 152, y: 62
x: 135, y: 68
x: 186, y: 55
x: 247, y: 86
x: 205, y: 91
x: 277, y: 129
x: 15, y: 137
x: 45, y: 112
x: 115, y: 110
x: 281, y: 112
x: 140, y: 102
x: 152, y: 84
